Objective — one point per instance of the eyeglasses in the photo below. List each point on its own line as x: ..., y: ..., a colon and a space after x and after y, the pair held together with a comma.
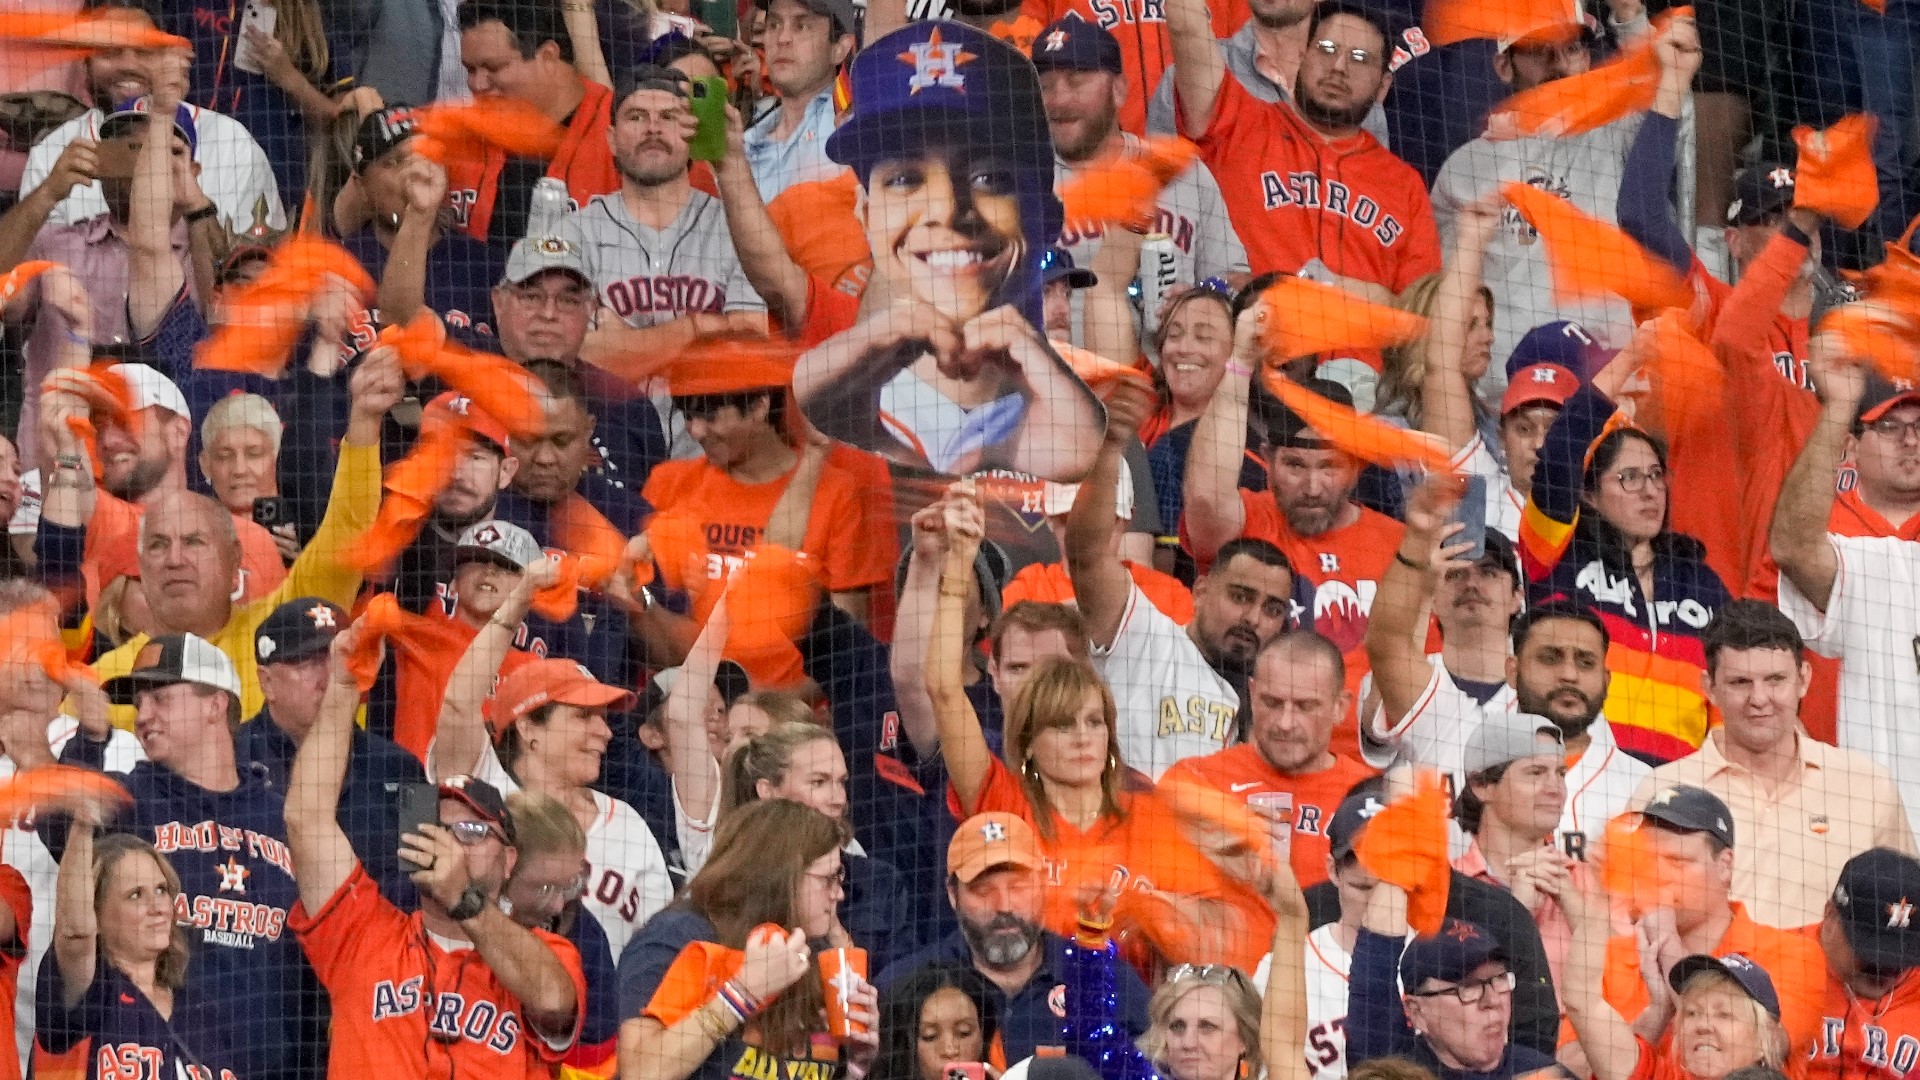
x: 570, y: 300
x: 1469, y: 993
x: 566, y: 893
x: 471, y: 833
x: 1330, y: 47
x: 1211, y: 974
x: 1894, y: 428
x: 836, y: 880
x: 1634, y: 481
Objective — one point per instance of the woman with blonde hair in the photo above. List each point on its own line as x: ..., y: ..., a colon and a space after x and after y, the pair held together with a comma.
x: 1062, y: 773
x: 1204, y: 1024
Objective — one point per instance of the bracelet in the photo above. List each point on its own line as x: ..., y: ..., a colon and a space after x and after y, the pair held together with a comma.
x: 1238, y: 368
x: 194, y: 217
x: 714, y: 1022
x: 956, y: 594
x: 735, y: 998
x: 67, y: 461
x: 1404, y: 561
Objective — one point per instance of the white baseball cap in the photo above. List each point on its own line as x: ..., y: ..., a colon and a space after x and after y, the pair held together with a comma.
x: 500, y: 542
x: 152, y: 390
x: 175, y: 658
x: 1057, y: 499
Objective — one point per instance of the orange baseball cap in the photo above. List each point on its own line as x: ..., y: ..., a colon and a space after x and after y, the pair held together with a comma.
x: 551, y: 681
x: 985, y: 841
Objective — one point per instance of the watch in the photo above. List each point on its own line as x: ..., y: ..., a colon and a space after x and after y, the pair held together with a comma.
x: 473, y: 900
x: 193, y: 217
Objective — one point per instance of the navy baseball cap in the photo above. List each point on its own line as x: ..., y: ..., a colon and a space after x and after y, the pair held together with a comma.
x: 1057, y: 263
x: 1563, y: 343
x: 1074, y: 44
x: 297, y: 630
x: 124, y: 116
x: 1343, y: 832
x: 1880, y: 396
x: 1691, y: 809
x: 1449, y: 956
x: 1875, y: 900
x: 1759, y: 191
x: 1751, y: 976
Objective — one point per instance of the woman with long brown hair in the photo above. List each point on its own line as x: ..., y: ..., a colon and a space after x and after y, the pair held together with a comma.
x: 1063, y: 774
x: 713, y: 991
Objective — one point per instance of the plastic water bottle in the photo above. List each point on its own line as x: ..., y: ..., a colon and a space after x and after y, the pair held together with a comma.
x: 550, y: 203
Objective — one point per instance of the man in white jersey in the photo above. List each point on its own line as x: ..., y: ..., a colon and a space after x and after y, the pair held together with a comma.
x: 1171, y: 697
x: 657, y: 251
x: 1330, y: 948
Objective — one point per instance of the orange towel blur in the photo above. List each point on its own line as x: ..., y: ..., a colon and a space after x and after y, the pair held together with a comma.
x: 1591, y: 258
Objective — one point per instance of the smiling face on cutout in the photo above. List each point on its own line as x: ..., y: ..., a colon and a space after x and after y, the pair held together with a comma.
x: 944, y: 225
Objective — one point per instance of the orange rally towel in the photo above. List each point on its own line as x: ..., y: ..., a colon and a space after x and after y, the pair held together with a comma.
x: 1406, y: 845
x: 1835, y: 174
x: 1358, y: 433
x: 1591, y: 258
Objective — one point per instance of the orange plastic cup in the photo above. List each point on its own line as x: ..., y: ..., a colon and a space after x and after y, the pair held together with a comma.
x: 841, y: 972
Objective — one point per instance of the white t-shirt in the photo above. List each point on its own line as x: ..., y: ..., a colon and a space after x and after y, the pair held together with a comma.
x: 627, y: 880
x: 696, y: 834
x: 22, y: 849
x: 1434, y: 733
x: 234, y: 171
x: 1170, y: 703
x: 1871, y: 625
x: 1328, y: 966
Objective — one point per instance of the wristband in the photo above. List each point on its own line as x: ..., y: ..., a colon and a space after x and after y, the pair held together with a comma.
x: 1404, y: 561
x: 195, y: 217
x: 1238, y: 367
x: 737, y: 1000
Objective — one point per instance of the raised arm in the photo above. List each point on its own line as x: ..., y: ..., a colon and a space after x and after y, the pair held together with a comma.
x: 696, y: 775
x: 1446, y: 399
x: 1101, y: 585
x: 583, y: 30
x: 323, y: 858
x: 1214, y: 513
x: 913, y: 621
x: 961, y: 742
x: 1604, y: 1034
x: 1199, y: 67
x: 403, y: 285
x: 1283, y: 1012
x: 460, y: 737
x: 1799, y: 535
x: 780, y: 281
x: 76, y: 927
x: 1376, y: 1019
x: 1106, y: 310
x: 75, y: 167
x: 154, y: 274
x: 1397, y: 628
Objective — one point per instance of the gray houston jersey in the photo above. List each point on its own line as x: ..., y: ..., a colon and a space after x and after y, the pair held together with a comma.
x: 648, y: 277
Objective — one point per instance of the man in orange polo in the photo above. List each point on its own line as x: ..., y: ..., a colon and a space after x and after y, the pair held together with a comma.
x: 1870, y: 1028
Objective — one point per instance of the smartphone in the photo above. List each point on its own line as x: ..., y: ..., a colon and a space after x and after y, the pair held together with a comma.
x: 419, y: 805
x: 710, y: 108
x: 272, y: 510
x: 1472, y: 513
x: 261, y: 17
x: 964, y: 1070
x: 720, y: 16
x: 1315, y: 270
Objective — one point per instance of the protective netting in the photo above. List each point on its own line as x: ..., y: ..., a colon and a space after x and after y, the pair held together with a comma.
x: 938, y: 539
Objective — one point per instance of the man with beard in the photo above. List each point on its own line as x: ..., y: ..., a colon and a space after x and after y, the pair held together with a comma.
x: 993, y: 882
x: 1301, y: 179
x: 1264, y: 54
x: 1297, y: 693
x: 1171, y: 698
x: 481, y: 472
x: 657, y: 251
x: 1083, y: 88
x: 1586, y: 169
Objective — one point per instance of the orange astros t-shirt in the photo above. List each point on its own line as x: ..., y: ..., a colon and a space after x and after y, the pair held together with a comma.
x: 1245, y: 774
x: 1875, y: 1039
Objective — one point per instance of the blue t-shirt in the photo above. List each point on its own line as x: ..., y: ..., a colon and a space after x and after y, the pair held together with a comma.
x: 461, y: 274
x: 114, y: 1031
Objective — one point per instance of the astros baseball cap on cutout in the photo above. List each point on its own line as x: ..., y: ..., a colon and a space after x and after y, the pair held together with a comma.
x: 1751, y: 976
x: 175, y: 658
x: 483, y: 799
x: 499, y: 542
x: 151, y: 390
x: 297, y: 630
x: 453, y: 405
x: 1875, y: 898
x: 985, y: 841
x: 547, y: 682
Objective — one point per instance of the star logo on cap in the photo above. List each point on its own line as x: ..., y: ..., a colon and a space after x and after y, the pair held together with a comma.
x: 993, y: 832
x: 1371, y: 807
x: 1665, y: 797
x: 1462, y: 932
x: 1900, y: 915
x: 487, y: 535
x: 1056, y: 41
x: 265, y: 646
x: 1781, y: 177
x: 1840, y: 897
x: 322, y: 617
x: 936, y: 63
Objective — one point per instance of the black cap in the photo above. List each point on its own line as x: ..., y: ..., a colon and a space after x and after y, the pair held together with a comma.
x: 1284, y: 428
x: 1760, y: 190
x: 297, y: 630
x: 1501, y: 552
x: 1880, y: 395
x: 1074, y: 44
x: 1057, y: 263
x: 650, y: 77
x: 1344, y: 830
x: 729, y: 678
x: 485, y: 800
x: 1875, y: 899
x: 1751, y: 976
x: 380, y: 131
x: 1450, y: 955
x: 1691, y: 809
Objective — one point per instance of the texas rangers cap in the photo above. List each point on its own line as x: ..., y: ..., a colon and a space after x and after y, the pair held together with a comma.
x: 297, y: 630
x: 175, y: 658
x: 453, y: 405
x: 151, y: 390
x: 535, y: 255
x: 1074, y: 44
x: 1450, y: 955
x: 1561, y: 342
x: 1538, y: 384
x: 845, y: 19
x: 379, y: 132
x: 483, y: 799
x: 1875, y: 899
x: 128, y: 115
x: 1691, y: 809
x: 1343, y: 832
x: 499, y: 542
x: 985, y: 841
x: 939, y: 80
x: 1504, y: 737
x: 1751, y: 976
x: 1760, y: 190
x: 1057, y: 264
x: 551, y: 681
x: 1881, y: 396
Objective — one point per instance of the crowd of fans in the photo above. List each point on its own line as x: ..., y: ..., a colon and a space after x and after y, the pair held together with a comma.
x: 871, y: 659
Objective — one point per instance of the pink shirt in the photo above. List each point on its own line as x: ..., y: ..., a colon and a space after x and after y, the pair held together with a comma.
x: 1556, y: 931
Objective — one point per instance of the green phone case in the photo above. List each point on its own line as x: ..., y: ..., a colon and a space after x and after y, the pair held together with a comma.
x: 709, y: 105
